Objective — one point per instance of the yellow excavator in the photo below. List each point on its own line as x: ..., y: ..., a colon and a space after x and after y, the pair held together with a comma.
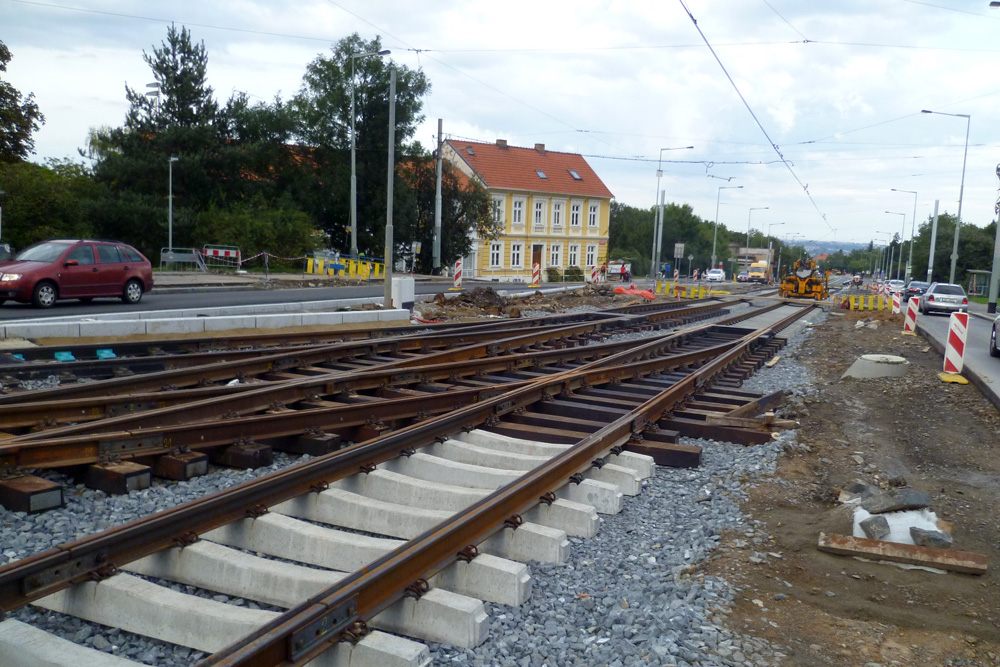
x: 805, y: 281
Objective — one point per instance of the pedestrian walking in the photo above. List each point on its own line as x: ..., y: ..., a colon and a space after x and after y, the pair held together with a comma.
x: 624, y: 274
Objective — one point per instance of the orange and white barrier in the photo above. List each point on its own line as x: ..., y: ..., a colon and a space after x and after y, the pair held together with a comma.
x: 910, y: 321
x: 536, y: 274
x: 954, y: 350
x: 594, y: 274
x: 895, y: 302
x: 458, y: 274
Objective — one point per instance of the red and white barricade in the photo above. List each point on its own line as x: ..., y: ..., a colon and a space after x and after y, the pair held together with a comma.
x: 910, y: 321
x: 954, y: 350
x: 221, y: 256
x: 536, y: 274
x: 594, y: 273
x: 677, y: 274
x: 895, y: 302
x: 458, y: 274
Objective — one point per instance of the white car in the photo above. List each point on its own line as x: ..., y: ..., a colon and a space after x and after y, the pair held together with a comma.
x: 715, y: 276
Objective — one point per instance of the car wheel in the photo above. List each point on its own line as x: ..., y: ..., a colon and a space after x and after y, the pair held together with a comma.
x: 44, y: 295
x: 132, y: 292
x: 994, y: 352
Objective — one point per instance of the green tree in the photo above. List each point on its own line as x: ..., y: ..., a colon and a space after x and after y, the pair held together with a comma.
x: 19, y: 117
x: 323, y: 105
x: 56, y: 200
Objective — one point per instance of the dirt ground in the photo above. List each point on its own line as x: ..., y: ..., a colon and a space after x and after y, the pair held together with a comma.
x: 940, y: 438
x: 484, y: 301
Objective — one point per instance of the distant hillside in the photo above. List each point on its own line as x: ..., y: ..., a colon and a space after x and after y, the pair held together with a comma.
x: 829, y: 247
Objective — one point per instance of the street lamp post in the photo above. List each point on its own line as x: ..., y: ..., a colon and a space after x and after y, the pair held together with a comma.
x: 913, y: 233
x: 170, y: 203
x: 883, y: 266
x: 961, y: 188
x: 902, y: 233
x: 387, y: 294
x: 354, y: 175
x: 715, y: 227
x: 658, y: 216
x: 749, y: 213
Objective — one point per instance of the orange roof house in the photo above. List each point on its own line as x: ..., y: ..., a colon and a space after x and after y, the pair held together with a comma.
x: 554, y: 209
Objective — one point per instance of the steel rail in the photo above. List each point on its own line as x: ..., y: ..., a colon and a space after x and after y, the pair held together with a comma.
x: 99, y: 556
x: 48, y: 411
x: 301, y: 634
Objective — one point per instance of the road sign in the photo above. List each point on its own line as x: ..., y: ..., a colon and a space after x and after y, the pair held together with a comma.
x: 678, y: 251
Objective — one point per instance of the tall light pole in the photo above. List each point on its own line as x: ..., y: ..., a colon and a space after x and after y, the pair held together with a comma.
x: 902, y: 233
x: 882, y: 264
x: 749, y: 213
x: 961, y: 188
x: 913, y: 232
x: 715, y: 230
x: 354, y: 174
x: 170, y: 203
x: 387, y: 294
x: 658, y: 216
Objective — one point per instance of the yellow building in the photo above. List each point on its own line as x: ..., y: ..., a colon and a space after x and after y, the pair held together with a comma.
x: 554, y: 209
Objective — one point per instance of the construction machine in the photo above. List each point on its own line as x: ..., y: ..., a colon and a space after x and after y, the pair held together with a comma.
x: 805, y: 281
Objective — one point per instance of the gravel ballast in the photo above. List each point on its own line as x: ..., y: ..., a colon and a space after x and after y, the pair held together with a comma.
x: 627, y: 597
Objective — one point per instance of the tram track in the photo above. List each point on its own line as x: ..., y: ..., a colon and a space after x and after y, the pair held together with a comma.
x: 631, y: 401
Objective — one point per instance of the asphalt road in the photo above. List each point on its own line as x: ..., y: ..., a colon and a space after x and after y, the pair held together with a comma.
x: 980, y: 367
x: 174, y: 298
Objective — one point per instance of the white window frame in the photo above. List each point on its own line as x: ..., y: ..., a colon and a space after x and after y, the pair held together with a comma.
x: 499, y: 214
x: 558, y: 215
x: 518, y: 211
x: 539, y: 220
x: 591, y: 254
x: 555, y: 255
x: 575, y: 214
x: 573, y: 255
x: 496, y: 254
x: 517, y: 255
x: 594, y: 215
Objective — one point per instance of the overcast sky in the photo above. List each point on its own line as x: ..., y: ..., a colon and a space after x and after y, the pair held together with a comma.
x: 829, y: 121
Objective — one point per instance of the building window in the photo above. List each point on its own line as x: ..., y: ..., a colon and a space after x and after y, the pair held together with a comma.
x: 575, y: 209
x: 576, y: 176
x: 591, y: 254
x: 592, y: 216
x: 517, y: 255
x: 539, y: 219
x: 541, y: 174
x: 573, y: 256
x: 557, y: 215
x: 496, y: 255
x: 517, y: 211
x: 555, y: 254
x: 498, y: 209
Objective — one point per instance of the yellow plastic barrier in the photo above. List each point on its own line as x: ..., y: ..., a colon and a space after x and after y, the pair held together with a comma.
x: 856, y: 302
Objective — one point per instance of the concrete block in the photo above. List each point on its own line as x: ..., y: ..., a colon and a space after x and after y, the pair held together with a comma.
x: 464, y: 452
x: 487, y: 577
x: 136, y: 605
x: 354, y: 316
x: 285, y: 537
x: 437, y: 469
x: 253, y: 455
x: 396, y: 488
x: 438, y: 616
x: 230, y: 322
x: 23, y: 644
x: 605, y: 498
x: 529, y: 542
x: 178, y: 325
x: 573, y: 518
x: 338, y: 507
x: 903, y: 499
x: 877, y: 366
x: 876, y: 527
x: 377, y: 649
x: 43, y: 330
x: 279, y: 321
x: 626, y: 479
x: 393, y: 315
x: 112, y: 328
x: 214, y: 567
x: 313, y: 319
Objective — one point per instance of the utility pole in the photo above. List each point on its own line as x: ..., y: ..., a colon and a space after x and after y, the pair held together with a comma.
x: 387, y: 294
x: 437, y: 206
x: 930, y: 256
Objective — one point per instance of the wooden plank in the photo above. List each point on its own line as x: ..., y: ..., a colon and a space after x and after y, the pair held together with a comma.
x: 666, y: 454
x: 774, y: 360
x: 944, y: 559
x: 762, y: 404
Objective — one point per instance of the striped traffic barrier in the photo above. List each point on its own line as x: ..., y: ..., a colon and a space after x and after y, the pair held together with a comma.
x: 594, y: 273
x: 954, y: 350
x: 910, y: 321
x: 895, y: 302
x: 458, y: 274
x: 536, y: 274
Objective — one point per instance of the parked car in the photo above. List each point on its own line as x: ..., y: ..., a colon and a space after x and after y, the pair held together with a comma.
x: 742, y: 277
x: 994, y: 350
x: 75, y: 269
x: 896, y: 287
x: 715, y: 276
x: 943, y: 297
x: 915, y: 288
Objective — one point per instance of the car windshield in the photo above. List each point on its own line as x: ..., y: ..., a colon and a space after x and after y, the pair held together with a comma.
x: 43, y: 252
x: 896, y: 283
x: 955, y: 290
x: 917, y: 284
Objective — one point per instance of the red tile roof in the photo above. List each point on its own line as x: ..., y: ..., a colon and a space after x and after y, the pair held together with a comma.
x: 513, y: 168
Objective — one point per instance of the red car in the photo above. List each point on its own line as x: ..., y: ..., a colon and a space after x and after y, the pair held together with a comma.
x: 69, y: 269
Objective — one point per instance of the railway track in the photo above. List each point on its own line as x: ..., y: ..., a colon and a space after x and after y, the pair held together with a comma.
x: 409, y: 530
